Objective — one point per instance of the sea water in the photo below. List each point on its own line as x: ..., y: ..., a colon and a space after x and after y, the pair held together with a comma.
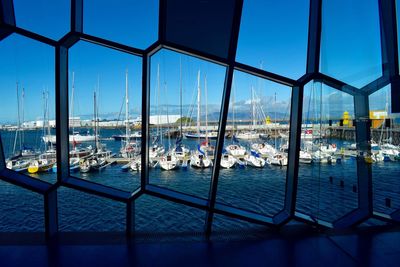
x: 325, y: 191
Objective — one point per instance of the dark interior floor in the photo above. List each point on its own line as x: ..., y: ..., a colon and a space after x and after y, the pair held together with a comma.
x: 291, y: 246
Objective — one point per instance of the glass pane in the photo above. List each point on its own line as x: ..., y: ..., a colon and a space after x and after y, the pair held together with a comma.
x: 386, y: 151
x: 28, y: 106
x: 20, y: 210
x: 254, y: 161
x: 327, y: 187
x: 398, y: 29
x: 105, y: 114
x: 204, y: 26
x: 81, y: 212
x: 46, y: 17
x: 185, y: 97
x: 228, y: 229
x: 133, y: 23
x: 159, y: 217
x: 350, y: 45
x: 273, y: 36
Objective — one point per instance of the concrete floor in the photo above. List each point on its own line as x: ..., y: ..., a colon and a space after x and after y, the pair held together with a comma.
x: 292, y: 246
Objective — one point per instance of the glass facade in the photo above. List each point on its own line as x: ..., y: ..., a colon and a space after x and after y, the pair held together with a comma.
x: 198, y: 124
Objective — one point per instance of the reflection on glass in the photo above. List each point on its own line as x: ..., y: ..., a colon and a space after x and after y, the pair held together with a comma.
x: 328, y: 172
x: 273, y: 36
x: 104, y: 115
x: 27, y: 112
x: 185, y: 107
x: 385, y: 152
x: 350, y: 45
x: 254, y: 159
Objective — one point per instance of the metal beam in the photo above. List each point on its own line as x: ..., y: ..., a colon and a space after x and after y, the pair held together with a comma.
x: 62, y: 130
x: 176, y: 197
x: 2, y: 157
x: 293, y: 156
x: 144, y: 178
x: 77, y: 16
x: 34, y: 36
x: 162, y: 14
x: 223, y: 115
x: 50, y: 213
x: 97, y: 189
x: 265, y: 74
x: 388, y: 28
x: 314, y: 36
x: 7, y: 14
x: 389, y: 42
x: 337, y: 84
x: 110, y: 44
x: 24, y: 181
x: 130, y: 218
x: 195, y: 53
x: 244, y: 215
x: 376, y: 85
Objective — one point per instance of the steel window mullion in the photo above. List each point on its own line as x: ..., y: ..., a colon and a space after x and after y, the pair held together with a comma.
x: 264, y: 74
x: 7, y: 14
x: 51, y: 213
x: 363, y: 138
x: 145, y: 122
x: 314, y: 36
x: 2, y: 157
x: 77, y: 16
x: 293, y: 155
x: 7, y: 18
x: 388, y: 27
x: 62, y: 120
x: 223, y: 115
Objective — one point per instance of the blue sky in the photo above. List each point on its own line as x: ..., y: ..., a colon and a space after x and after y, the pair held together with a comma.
x: 273, y: 36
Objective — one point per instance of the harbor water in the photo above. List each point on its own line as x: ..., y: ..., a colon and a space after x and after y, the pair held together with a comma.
x: 325, y: 191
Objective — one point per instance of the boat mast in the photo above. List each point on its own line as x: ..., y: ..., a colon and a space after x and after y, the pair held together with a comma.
x: 181, y: 91
x: 253, y: 108
x: 166, y: 103
x: 22, y: 112
x: 18, y: 123
x: 158, y: 102
x: 233, y: 107
x: 72, y: 109
x: 127, y: 132
x: 198, y: 104
x: 275, y: 124
x: 205, y: 95
x: 44, y: 118
x: 95, y: 120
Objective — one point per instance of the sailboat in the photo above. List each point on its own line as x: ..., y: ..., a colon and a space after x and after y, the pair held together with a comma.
x: 128, y: 148
x: 168, y: 161
x: 98, y: 160
x: 252, y: 134
x: 75, y: 137
x: 254, y: 160
x: 180, y: 151
x: 227, y: 160
x: 199, y: 158
x: 47, y: 159
x: 19, y: 161
x: 235, y: 149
